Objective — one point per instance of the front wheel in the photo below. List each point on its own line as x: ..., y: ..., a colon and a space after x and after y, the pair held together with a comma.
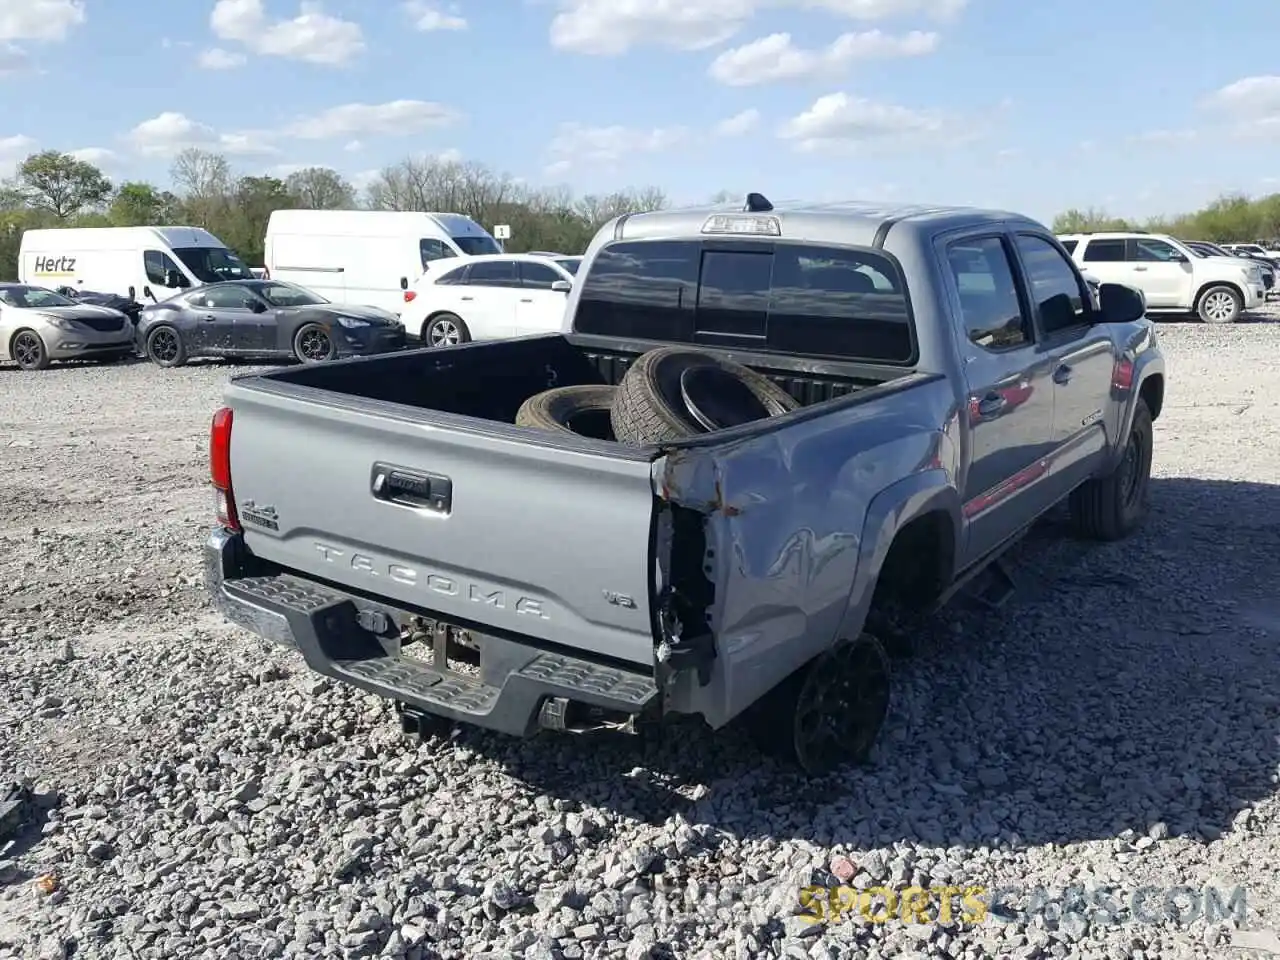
x: 830, y: 711
x: 1220, y: 305
x: 445, y: 330
x: 1113, y: 506
x: 313, y: 344
x: 28, y: 350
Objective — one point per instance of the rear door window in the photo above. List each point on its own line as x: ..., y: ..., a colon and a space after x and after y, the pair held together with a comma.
x: 493, y: 273
x: 838, y: 302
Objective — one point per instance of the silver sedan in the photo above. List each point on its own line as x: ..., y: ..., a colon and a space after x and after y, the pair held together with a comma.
x: 38, y: 326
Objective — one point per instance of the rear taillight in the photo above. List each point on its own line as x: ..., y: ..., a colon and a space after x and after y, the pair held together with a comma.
x: 1122, y: 374
x: 220, y: 469
x: 409, y: 295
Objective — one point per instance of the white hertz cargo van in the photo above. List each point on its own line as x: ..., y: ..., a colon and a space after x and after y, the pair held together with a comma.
x: 367, y: 257
x: 148, y: 264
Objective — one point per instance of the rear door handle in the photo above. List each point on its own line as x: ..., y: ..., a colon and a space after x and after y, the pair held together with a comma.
x: 208, y: 316
x: 991, y: 404
x: 1140, y: 269
x: 467, y: 298
x: 526, y: 299
x: 1062, y: 374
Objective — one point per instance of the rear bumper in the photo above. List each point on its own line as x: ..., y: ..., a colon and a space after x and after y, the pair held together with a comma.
x: 356, y: 640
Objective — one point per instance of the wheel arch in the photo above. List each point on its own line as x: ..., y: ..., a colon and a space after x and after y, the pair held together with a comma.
x: 1206, y: 287
x: 923, y: 511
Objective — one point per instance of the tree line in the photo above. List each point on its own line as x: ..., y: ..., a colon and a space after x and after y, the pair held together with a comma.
x: 53, y: 189
x: 1231, y: 218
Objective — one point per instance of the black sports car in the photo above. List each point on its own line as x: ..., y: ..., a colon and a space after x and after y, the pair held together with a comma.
x: 262, y: 318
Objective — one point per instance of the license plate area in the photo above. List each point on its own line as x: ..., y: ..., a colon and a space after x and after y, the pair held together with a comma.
x: 447, y: 648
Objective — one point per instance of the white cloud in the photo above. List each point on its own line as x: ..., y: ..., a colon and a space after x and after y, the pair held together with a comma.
x: 1165, y: 137
x: 13, y: 150
x: 353, y: 146
x: 216, y: 58
x: 395, y: 118
x: 774, y: 58
x: 39, y: 19
x: 739, y: 124
x: 612, y: 27
x: 170, y: 133
x: 98, y: 156
x: 429, y: 16
x: 13, y: 59
x: 887, y: 9
x: 1253, y: 98
x: 578, y: 145
x: 839, y: 119
x: 363, y: 179
x: 313, y: 36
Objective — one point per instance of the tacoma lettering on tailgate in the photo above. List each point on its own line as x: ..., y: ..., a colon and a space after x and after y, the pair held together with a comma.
x: 439, y: 583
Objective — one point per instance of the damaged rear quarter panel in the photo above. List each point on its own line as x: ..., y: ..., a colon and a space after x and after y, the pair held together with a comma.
x: 785, y: 513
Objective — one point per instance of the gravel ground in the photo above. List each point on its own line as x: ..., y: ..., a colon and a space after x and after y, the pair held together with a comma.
x: 198, y: 794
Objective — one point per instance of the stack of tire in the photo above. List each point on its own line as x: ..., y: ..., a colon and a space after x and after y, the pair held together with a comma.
x: 670, y: 393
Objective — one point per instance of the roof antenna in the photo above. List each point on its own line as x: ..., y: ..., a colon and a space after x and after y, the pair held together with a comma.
x: 758, y: 203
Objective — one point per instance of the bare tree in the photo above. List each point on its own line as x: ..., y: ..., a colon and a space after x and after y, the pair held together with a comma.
x: 319, y: 188
x: 205, y: 182
x: 201, y: 175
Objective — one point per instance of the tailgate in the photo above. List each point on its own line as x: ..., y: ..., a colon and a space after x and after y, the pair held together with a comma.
x: 544, y: 541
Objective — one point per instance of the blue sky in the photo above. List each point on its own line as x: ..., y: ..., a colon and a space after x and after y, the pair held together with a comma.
x: 1138, y: 106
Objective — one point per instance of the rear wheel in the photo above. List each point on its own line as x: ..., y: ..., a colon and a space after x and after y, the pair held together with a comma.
x: 445, y: 330
x: 165, y: 347
x: 28, y: 350
x: 830, y: 711
x: 313, y: 344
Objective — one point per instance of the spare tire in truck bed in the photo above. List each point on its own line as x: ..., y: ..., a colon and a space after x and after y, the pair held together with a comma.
x: 676, y: 392
x: 583, y: 410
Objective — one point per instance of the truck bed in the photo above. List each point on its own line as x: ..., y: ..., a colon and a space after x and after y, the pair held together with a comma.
x: 398, y: 487
x: 490, y: 380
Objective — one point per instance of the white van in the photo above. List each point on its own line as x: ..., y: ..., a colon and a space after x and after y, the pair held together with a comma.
x: 367, y: 257
x: 147, y: 264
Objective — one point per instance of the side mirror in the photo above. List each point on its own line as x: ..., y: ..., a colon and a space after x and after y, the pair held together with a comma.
x: 133, y: 293
x: 175, y: 279
x: 257, y: 306
x: 1121, y: 303
x: 404, y: 281
x: 1180, y: 258
x: 561, y: 286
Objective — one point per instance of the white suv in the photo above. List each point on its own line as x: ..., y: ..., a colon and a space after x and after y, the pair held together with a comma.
x: 1174, y: 277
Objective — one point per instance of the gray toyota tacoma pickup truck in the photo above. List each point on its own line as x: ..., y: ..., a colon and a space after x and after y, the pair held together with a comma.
x: 930, y: 381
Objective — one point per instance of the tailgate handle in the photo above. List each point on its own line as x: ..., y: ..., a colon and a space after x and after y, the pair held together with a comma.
x: 411, y: 488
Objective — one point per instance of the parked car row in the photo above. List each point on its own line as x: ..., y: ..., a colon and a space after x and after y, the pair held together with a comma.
x: 1174, y: 276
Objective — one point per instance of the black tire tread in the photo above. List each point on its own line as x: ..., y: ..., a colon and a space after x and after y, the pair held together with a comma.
x: 179, y: 360
x: 1097, y: 507
x: 551, y: 409
x: 640, y: 415
x: 45, y: 359
x: 770, y: 720
x: 297, y: 340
